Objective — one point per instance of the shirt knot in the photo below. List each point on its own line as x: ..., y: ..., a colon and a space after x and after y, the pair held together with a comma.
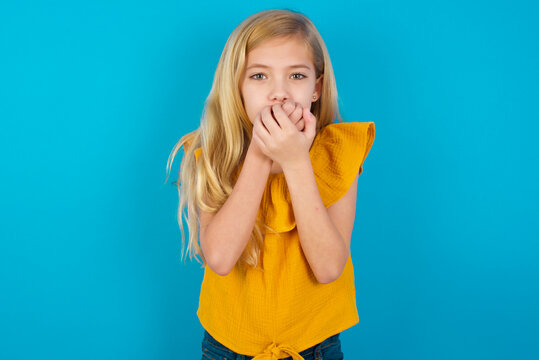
x: 273, y: 351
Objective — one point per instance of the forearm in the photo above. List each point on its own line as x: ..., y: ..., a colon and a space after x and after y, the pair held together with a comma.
x: 229, y: 231
x: 320, y: 240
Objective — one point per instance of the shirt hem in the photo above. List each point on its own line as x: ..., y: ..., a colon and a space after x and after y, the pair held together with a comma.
x: 299, y: 349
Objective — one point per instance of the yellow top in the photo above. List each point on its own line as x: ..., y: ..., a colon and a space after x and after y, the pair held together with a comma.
x: 283, y: 310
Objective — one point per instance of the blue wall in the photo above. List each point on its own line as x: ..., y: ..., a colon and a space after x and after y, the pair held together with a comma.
x: 93, y: 95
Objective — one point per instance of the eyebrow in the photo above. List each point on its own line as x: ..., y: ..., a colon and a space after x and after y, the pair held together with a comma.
x: 290, y: 67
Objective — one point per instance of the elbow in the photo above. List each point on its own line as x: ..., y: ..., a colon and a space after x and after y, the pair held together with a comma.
x: 221, y: 270
x: 218, y: 266
x: 333, y: 270
x: 330, y: 275
x: 327, y: 278
x: 217, y: 263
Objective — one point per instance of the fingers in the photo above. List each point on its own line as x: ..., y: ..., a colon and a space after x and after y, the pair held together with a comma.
x: 267, y: 118
x: 277, y: 115
x: 300, y: 125
x: 258, y: 125
x: 293, y: 110
x: 258, y: 141
x: 280, y: 116
x: 288, y: 107
x: 297, y: 114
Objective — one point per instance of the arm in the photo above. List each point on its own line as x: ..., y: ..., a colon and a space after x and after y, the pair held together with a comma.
x: 225, y: 234
x: 324, y: 234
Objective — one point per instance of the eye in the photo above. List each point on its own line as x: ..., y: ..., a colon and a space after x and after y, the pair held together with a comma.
x: 254, y: 77
x: 300, y: 74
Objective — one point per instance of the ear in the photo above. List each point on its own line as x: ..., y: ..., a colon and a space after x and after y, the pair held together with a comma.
x: 318, y: 86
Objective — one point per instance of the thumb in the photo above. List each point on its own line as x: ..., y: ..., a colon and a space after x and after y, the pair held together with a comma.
x: 310, y: 122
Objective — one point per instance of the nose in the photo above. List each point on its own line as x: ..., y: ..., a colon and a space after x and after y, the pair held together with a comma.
x: 279, y: 91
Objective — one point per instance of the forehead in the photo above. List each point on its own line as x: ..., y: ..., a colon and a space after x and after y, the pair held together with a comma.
x: 280, y: 51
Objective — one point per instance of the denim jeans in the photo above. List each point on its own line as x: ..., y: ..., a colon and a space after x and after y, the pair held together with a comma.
x: 329, y: 349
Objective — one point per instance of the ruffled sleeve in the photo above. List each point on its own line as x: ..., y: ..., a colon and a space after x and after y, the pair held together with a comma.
x: 337, y: 155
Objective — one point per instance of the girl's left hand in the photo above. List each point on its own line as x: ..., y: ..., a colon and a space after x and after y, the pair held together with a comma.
x: 279, y: 138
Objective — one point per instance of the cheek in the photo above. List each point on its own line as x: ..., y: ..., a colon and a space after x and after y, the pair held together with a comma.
x: 247, y: 105
x: 252, y: 111
x: 248, y: 108
x: 252, y: 107
x: 306, y: 103
x: 306, y: 97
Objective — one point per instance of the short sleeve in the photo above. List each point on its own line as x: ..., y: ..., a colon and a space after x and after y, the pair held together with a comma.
x: 337, y: 156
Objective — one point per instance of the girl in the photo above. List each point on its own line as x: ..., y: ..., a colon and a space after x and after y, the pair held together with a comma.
x: 271, y: 178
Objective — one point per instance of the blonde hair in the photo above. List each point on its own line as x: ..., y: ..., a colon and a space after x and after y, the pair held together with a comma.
x: 225, y: 130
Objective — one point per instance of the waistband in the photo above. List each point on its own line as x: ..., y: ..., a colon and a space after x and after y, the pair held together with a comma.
x: 273, y: 351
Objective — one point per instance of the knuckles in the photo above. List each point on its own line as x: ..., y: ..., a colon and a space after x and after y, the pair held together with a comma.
x: 288, y: 107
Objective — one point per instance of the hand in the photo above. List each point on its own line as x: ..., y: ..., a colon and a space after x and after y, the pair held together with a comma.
x: 294, y: 111
x: 279, y: 139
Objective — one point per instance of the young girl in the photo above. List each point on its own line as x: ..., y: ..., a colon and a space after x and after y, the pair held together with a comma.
x: 271, y: 178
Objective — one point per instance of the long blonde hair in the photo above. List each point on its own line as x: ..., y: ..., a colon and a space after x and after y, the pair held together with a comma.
x: 225, y: 130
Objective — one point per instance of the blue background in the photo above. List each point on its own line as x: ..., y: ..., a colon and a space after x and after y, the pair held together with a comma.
x: 93, y: 95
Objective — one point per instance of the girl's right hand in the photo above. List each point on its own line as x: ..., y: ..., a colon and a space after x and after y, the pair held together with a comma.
x: 253, y: 146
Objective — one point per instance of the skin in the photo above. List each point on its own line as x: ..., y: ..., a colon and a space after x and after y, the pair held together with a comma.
x: 269, y: 80
x: 277, y: 102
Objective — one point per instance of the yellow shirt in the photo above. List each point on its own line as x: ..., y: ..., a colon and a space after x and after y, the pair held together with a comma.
x: 283, y: 310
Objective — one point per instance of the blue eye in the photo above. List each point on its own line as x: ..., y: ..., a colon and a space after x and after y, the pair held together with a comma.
x: 296, y: 76
x: 256, y: 78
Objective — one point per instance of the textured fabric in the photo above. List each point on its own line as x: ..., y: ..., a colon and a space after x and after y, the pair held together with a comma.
x: 282, y: 310
x: 329, y: 349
